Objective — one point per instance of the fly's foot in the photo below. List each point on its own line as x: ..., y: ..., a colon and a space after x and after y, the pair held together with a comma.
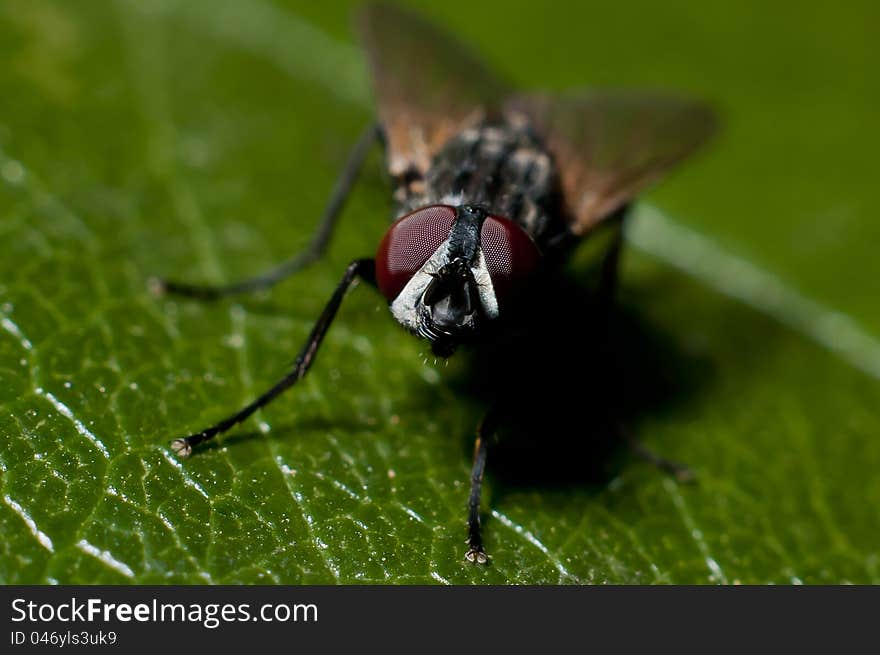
x: 682, y: 473
x: 477, y: 555
x: 157, y: 287
x: 182, y: 448
x: 679, y: 471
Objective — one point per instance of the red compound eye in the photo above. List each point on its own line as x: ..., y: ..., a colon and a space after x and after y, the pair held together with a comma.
x: 408, y: 244
x: 510, y: 254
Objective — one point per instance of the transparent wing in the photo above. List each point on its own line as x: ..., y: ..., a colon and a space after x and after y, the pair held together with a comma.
x: 610, y: 145
x: 428, y: 86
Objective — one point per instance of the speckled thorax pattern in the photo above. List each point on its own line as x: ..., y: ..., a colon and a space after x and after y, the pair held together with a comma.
x: 497, y: 166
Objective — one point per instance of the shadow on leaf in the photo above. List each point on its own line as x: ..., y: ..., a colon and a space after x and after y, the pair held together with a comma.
x: 564, y: 383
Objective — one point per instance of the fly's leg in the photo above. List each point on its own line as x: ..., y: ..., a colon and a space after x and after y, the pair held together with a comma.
x: 361, y: 268
x: 313, y: 251
x: 608, y: 282
x: 476, y: 553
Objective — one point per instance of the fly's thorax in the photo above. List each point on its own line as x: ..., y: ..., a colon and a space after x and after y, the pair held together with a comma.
x: 502, y: 167
x: 448, y: 271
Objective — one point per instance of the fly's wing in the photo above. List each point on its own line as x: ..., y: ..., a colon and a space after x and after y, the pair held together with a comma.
x: 610, y: 145
x: 428, y: 86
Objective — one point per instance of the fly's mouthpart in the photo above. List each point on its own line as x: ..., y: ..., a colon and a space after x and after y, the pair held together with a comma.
x: 427, y: 330
x: 443, y: 344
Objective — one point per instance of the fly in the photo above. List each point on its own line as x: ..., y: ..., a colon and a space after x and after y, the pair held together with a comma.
x: 490, y: 187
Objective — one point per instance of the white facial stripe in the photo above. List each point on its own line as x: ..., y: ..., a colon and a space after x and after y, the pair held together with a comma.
x: 485, y: 286
x: 404, y: 306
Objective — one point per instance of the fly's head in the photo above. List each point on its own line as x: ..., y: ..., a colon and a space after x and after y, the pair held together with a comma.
x: 449, y: 271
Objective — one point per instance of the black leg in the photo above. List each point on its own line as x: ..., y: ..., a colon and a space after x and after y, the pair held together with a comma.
x: 308, y: 256
x: 363, y: 268
x: 608, y: 282
x: 475, y: 552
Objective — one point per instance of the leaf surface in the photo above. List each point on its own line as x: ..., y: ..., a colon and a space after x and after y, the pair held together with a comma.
x: 200, y: 140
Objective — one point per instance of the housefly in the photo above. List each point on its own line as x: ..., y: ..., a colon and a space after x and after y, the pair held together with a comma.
x: 489, y: 187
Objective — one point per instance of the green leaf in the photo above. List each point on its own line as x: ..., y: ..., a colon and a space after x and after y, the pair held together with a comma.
x: 200, y: 140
